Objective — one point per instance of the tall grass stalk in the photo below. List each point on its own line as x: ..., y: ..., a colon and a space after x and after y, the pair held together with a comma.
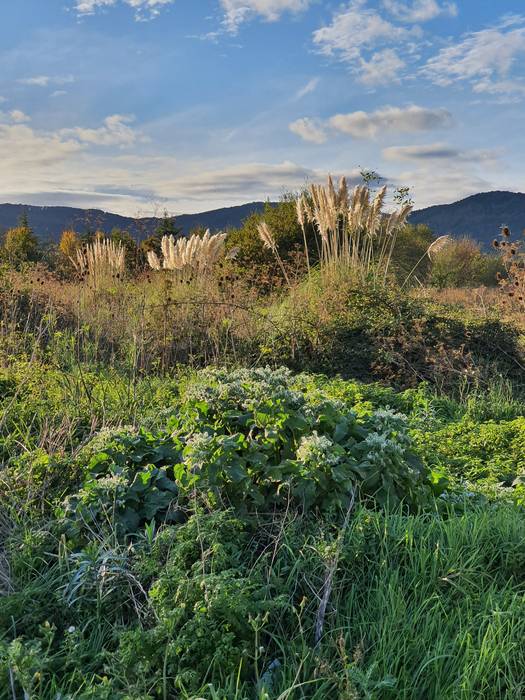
x: 355, y: 234
x: 100, y: 262
x: 193, y: 256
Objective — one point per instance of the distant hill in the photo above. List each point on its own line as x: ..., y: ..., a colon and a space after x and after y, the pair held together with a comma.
x: 49, y: 222
x: 479, y: 216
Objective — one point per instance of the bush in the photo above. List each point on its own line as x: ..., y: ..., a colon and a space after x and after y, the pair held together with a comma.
x: 461, y: 263
x: 367, y: 334
x: 249, y: 440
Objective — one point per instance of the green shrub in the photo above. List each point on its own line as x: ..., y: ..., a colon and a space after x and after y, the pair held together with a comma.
x: 367, y: 334
x: 249, y: 439
x: 472, y: 450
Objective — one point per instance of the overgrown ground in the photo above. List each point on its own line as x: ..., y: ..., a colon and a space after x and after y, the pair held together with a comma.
x: 293, y: 473
x: 189, y: 553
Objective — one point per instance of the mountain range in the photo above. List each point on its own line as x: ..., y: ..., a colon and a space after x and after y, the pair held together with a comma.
x: 49, y: 222
x: 479, y: 216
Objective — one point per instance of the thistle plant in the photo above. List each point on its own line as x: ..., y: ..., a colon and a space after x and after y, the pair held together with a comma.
x: 354, y: 232
x: 512, y: 283
x: 101, y: 261
x: 191, y: 256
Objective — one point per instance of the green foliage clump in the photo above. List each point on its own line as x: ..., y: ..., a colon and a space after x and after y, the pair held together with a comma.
x: 282, y: 220
x: 474, y: 450
x: 20, y: 245
x: 189, y: 558
x: 371, y: 334
x: 462, y: 263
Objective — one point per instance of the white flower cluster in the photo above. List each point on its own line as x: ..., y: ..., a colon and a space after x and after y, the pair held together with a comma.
x: 382, y: 450
x: 198, y: 448
x: 244, y: 387
x: 316, y: 450
x: 105, y: 438
x: 390, y: 424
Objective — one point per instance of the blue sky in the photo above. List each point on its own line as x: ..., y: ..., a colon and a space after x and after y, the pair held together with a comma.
x: 137, y: 106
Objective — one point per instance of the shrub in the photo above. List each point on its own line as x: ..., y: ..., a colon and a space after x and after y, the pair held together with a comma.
x: 249, y: 440
x: 461, y: 263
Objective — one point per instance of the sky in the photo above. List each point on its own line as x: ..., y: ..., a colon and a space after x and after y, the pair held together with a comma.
x: 145, y: 106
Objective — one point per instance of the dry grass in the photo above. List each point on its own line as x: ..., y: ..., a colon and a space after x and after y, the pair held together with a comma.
x: 100, y: 262
x: 482, y: 301
x: 149, y: 321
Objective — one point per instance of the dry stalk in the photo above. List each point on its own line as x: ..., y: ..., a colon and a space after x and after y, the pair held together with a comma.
x: 330, y: 573
x: 433, y: 249
x: 513, y: 259
x: 267, y: 237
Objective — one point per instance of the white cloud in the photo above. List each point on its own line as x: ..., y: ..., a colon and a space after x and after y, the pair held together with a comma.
x: 311, y: 86
x: 419, y: 10
x: 383, y: 67
x: 485, y: 59
x: 244, y: 180
x: 45, y: 80
x: 309, y: 130
x: 25, y: 152
x: 367, y: 125
x: 18, y: 116
x: 357, y: 31
x: 68, y: 167
x: 58, y: 93
x: 238, y: 11
x: 144, y: 9
x: 438, y: 151
x: 114, y: 132
x: 431, y: 185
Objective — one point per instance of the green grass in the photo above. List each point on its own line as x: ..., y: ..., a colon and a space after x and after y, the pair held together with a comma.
x: 222, y: 601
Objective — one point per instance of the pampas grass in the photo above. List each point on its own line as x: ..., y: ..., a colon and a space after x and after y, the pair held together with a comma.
x: 268, y: 239
x: 354, y: 231
x: 431, y: 252
x: 438, y: 245
x: 354, y: 234
x: 191, y: 256
x: 101, y: 261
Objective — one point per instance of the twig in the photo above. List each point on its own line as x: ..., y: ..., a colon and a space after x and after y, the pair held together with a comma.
x: 328, y: 582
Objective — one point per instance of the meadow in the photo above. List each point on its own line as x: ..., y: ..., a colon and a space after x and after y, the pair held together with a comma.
x: 286, y: 461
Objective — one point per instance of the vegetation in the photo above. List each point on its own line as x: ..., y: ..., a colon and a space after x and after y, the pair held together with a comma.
x: 269, y: 464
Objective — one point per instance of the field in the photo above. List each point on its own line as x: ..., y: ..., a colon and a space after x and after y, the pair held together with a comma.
x: 290, y: 466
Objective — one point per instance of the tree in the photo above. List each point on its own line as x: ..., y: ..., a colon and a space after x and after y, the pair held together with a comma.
x: 21, y: 244
x: 69, y: 244
x: 166, y: 227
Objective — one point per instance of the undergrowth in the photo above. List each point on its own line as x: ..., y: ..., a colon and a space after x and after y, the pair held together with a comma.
x: 178, y: 539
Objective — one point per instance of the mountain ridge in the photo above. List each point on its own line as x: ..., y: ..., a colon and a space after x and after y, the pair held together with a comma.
x: 479, y: 216
x: 48, y: 222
